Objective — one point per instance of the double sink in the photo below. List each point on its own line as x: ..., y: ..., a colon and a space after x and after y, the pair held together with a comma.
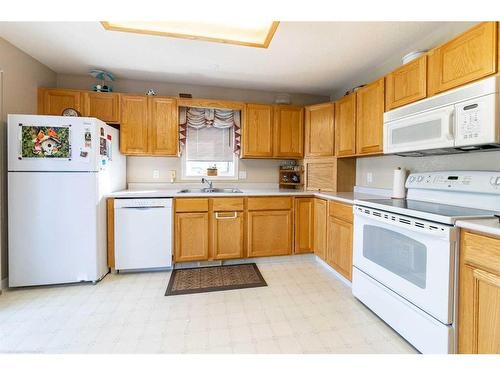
x: 211, y: 190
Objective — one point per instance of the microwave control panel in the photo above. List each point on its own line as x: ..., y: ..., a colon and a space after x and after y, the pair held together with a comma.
x: 476, y: 121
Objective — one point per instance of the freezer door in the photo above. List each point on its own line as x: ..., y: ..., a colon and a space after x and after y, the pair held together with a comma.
x: 52, y: 228
x: 53, y: 143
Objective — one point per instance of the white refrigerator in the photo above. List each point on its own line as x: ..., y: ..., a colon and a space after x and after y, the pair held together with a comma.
x: 59, y: 171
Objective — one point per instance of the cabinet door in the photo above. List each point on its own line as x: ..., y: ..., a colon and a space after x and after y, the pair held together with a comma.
x: 304, y: 224
x: 55, y: 101
x: 319, y: 125
x: 406, y: 84
x: 320, y: 230
x: 258, y: 131
x: 134, y: 125
x: 321, y: 174
x: 370, y: 118
x: 102, y: 105
x: 191, y: 236
x: 163, y: 126
x: 345, y: 126
x: 479, y: 294
x: 339, y: 248
x: 228, y: 235
x: 468, y: 57
x: 288, y: 132
x: 270, y: 233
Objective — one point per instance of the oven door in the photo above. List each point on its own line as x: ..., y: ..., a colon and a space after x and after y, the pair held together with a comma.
x: 429, y: 130
x: 412, y: 257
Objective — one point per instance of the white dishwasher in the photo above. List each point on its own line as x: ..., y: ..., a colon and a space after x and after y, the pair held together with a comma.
x: 143, y: 233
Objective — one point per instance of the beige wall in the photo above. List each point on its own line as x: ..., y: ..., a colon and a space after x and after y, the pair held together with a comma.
x: 22, y: 75
x: 140, y: 170
x: 173, y: 89
x: 382, y: 167
x: 439, y: 36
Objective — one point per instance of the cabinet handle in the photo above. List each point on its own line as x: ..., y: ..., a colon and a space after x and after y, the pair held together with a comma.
x: 234, y: 216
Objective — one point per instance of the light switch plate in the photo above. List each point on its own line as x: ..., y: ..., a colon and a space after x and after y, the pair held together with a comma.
x: 156, y: 174
x: 242, y: 175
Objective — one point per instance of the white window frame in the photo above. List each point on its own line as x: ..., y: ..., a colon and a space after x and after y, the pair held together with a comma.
x: 236, y: 160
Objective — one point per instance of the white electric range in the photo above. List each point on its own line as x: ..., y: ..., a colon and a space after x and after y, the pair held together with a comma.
x: 406, y: 253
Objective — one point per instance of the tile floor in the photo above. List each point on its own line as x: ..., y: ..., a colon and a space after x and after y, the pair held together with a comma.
x: 305, y: 309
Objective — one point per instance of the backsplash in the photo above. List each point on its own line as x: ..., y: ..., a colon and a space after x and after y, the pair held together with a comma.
x: 381, y: 167
x: 141, y: 170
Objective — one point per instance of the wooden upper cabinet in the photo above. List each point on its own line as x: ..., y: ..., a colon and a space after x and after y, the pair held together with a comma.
x: 479, y: 294
x: 163, y: 126
x: 102, y: 105
x: 370, y: 118
x: 288, y: 131
x: 319, y: 129
x: 345, y: 126
x: 134, y: 125
x: 258, y: 131
x: 304, y: 224
x: 406, y: 84
x: 55, y: 101
x: 466, y: 58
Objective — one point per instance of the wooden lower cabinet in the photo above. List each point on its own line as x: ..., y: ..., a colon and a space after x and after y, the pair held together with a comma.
x: 304, y: 224
x: 191, y: 236
x: 479, y: 294
x: 320, y: 227
x: 228, y: 235
x: 339, y: 241
x: 270, y: 232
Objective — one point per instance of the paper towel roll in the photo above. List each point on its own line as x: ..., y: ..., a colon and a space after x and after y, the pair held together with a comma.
x: 398, y: 184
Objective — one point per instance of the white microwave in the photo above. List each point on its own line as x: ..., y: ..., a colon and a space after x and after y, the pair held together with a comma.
x: 460, y: 120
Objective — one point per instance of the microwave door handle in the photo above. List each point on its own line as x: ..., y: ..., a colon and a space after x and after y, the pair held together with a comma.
x: 451, y: 126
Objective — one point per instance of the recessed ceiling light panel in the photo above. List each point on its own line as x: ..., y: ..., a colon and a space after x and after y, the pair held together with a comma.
x: 245, y: 33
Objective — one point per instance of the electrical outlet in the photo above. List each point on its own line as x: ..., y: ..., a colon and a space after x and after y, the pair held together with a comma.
x: 369, y: 177
x: 156, y: 174
x: 242, y: 175
x: 172, y: 176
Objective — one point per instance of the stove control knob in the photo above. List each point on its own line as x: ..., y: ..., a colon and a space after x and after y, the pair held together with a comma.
x: 412, y: 179
x: 420, y: 178
x: 497, y: 182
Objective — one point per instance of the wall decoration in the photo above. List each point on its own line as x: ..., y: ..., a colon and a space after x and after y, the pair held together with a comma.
x: 45, y: 142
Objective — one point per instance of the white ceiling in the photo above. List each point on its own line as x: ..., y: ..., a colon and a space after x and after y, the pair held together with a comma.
x: 304, y: 57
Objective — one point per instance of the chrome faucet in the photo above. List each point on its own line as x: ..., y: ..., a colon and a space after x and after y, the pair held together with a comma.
x: 206, y: 181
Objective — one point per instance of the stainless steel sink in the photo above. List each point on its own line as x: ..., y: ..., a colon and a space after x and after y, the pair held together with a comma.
x: 208, y: 190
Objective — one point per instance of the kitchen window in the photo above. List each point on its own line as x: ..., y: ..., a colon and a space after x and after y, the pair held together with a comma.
x: 208, y: 139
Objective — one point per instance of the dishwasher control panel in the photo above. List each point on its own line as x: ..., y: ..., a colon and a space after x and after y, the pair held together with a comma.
x: 142, y: 202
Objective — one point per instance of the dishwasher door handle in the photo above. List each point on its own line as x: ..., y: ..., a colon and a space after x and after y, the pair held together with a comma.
x: 140, y: 208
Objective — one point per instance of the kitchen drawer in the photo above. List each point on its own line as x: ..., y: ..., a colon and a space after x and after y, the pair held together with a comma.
x: 191, y: 205
x: 340, y: 211
x: 227, y: 204
x: 481, y: 251
x: 269, y: 203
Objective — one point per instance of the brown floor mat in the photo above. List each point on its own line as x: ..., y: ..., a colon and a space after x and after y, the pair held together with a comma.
x: 215, y: 278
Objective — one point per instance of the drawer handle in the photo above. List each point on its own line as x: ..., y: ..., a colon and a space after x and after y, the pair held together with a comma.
x: 234, y: 216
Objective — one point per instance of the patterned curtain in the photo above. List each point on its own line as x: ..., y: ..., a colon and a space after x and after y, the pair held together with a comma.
x: 199, y: 118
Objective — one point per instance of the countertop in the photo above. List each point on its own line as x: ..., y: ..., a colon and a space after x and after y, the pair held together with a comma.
x: 346, y: 197
x: 487, y: 226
